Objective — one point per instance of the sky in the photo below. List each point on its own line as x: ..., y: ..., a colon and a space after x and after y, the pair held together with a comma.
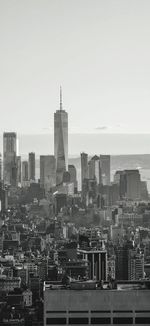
x: 98, y: 50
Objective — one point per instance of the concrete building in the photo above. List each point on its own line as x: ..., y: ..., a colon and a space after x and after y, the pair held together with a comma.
x: 47, y: 172
x: 9, y: 158
x: 61, y: 141
x: 105, y: 169
x: 86, y: 304
x: 31, y: 166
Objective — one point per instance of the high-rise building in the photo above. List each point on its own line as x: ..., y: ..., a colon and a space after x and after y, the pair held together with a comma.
x: 73, y: 176
x: 94, y: 168
x: 9, y: 158
x: 25, y: 171
x: 135, y: 265
x: 130, y: 185
x: 31, y: 166
x: 84, y: 167
x: 61, y: 141
x: 122, y: 253
x: 47, y: 172
x: 105, y: 169
x: 18, y: 170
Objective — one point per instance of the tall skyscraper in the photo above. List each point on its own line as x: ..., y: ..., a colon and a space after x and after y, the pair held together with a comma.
x: 130, y: 184
x: 18, y: 170
x: 105, y: 169
x: 61, y: 141
x: 135, y: 264
x: 9, y: 158
x: 47, y: 172
x: 84, y: 167
x: 24, y: 171
x: 31, y: 166
x: 73, y: 176
x: 94, y: 168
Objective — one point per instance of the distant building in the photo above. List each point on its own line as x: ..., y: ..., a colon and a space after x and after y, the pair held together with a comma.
x: 89, y: 191
x: 66, y: 177
x: 94, y: 169
x: 47, y: 172
x: 31, y: 167
x: 130, y: 185
x: 117, y: 176
x: 73, y: 176
x: 61, y: 141
x: 84, y: 167
x: 60, y: 202
x: 9, y: 158
x: 105, y: 169
x: 18, y: 170
x: 25, y: 171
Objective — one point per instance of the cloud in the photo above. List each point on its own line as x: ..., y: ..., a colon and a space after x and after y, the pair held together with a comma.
x: 101, y: 128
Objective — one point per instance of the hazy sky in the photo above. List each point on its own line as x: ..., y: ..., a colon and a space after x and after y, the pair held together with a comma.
x: 98, y: 50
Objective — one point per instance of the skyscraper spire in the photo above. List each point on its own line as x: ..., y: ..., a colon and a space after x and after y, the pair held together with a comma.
x: 61, y: 105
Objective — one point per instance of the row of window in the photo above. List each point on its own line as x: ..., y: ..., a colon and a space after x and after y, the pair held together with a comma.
x: 96, y: 311
x: 98, y: 321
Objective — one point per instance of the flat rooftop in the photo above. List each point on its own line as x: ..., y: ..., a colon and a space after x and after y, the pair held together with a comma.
x: 91, y: 285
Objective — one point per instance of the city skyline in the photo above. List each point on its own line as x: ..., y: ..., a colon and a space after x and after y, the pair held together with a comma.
x: 74, y: 162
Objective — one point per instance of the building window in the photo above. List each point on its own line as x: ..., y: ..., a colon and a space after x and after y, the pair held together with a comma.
x: 55, y: 321
x: 100, y: 311
x: 101, y: 321
x: 78, y: 312
x: 122, y: 320
x: 56, y: 312
x: 79, y: 320
x: 142, y: 320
